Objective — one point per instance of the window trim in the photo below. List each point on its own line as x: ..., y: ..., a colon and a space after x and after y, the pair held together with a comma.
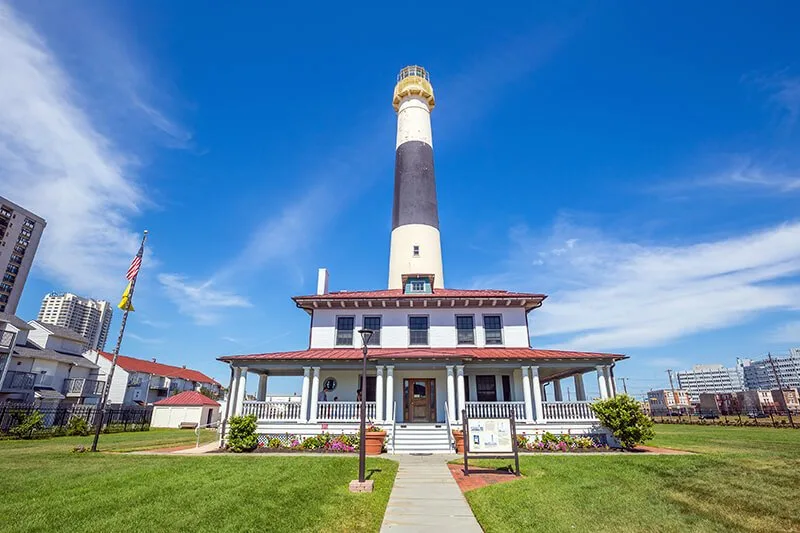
x: 502, y: 327
x: 380, y: 330
x: 427, y: 330
x: 336, y: 331
x: 474, y: 333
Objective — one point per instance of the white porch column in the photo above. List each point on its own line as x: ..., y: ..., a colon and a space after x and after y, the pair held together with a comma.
x: 557, y: 396
x: 538, y: 409
x: 610, y: 386
x: 580, y: 390
x: 526, y: 393
x: 390, y: 394
x: 233, y: 393
x: 379, y: 393
x: 451, y: 394
x: 241, y: 388
x: 462, y: 402
x: 261, y: 395
x: 601, y: 382
x: 314, y: 394
x: 304, y: 394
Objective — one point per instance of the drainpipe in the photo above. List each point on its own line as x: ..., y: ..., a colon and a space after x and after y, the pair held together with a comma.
x: 613, y: 381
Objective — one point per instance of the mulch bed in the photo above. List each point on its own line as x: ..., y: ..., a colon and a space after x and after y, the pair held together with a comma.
x: 290, y: 450
x: 480, y: 476
x: 172, y: 449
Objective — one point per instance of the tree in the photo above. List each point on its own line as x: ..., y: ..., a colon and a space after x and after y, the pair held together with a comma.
x: 205, y: 391
x: 624, y: 417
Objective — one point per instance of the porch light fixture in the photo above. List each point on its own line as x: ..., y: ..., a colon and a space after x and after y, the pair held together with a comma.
x: 366, y: 335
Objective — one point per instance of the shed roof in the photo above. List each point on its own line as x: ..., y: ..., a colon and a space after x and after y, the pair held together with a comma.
x: 188, y: 398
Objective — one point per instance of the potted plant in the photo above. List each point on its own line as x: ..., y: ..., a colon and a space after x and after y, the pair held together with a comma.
x: 458, y: 435
x: 374, y: 438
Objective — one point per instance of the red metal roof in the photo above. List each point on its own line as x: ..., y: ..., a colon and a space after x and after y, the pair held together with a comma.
x: 188, y: 397
x: 437, y: 293
x: 421, y: 353
x: 131, y: 364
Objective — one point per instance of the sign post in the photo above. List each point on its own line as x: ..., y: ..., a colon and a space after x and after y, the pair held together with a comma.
x: 490, y: 438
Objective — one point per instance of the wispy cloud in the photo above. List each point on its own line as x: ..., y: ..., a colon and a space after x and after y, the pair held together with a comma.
x: 154, y: 323
x: 783, y: 90
x: 56, y: 161
x: 145, y: 340
x: 788, y: 332
x: 200, y: 300
x: 611, y: 294
x: 742, y: 174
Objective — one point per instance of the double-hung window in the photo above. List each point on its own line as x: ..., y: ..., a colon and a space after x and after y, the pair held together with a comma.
x: 418, y: 331
x: 373, y: 323
x: 465, y: 329
x: 493, y: 329
x: 344, y: 330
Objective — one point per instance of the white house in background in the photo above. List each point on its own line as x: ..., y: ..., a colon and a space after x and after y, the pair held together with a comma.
x: 186, y: 409
x: 45, y: 365
x: 435, y: 352
x: 143, y: 382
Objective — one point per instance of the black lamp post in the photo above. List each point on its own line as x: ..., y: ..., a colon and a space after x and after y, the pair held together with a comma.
x: 366, y: 335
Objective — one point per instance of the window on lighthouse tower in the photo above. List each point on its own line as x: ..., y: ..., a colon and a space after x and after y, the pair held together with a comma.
x: 415, y: 250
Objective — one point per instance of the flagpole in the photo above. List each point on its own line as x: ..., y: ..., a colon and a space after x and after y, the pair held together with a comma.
x: 104, y: 398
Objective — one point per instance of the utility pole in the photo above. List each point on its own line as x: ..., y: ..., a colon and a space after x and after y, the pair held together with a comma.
x: 780, y: 389
x: 671, y: 384
x: 625, y: 384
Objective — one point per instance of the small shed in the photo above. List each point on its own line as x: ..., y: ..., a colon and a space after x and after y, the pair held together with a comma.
x: 187, y: 409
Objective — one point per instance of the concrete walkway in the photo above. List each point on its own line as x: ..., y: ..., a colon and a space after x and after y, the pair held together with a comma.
x: 425, y: 497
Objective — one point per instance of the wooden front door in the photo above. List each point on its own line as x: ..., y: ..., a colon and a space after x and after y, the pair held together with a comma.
x: 419, y: 400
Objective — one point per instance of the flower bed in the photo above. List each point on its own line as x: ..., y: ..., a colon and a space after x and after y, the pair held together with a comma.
x: 548, y: 443
x: 322, y: 443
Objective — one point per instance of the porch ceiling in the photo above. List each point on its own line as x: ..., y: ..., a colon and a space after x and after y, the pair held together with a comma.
x: 462, y: 354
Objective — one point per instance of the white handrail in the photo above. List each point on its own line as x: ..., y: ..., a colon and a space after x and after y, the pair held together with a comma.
x: 451, y: 442
x: 394, y: 422
x: 197, y: 431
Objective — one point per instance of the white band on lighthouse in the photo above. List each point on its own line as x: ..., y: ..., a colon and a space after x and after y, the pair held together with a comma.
x: 414, y: 121
x: 427, y: 259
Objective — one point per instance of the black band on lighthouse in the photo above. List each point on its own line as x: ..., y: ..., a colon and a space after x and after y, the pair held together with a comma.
x: 414, y: 186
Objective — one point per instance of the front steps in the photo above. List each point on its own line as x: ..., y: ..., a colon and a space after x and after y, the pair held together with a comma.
x: 421, y: 438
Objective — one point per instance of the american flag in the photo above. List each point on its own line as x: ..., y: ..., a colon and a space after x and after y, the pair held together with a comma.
x: 135, y: 264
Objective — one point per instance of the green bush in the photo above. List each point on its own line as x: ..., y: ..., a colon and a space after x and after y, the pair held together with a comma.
x: 28, y: 424
x: 242, y: 436
x: 624, y: 417
x: 77, y: 426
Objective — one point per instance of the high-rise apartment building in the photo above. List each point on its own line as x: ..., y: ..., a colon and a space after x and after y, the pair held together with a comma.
x: 87, y: 317
x: 20, y: 231
x: 760, y: 375
x: 710, y: 379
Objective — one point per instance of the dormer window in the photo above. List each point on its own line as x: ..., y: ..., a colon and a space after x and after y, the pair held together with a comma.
x: 418, y: 285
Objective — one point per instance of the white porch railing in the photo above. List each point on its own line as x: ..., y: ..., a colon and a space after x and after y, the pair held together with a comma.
x: 568, y: 411
x: 272, y: 410
x: 496, y: 410
x: 343, y: 411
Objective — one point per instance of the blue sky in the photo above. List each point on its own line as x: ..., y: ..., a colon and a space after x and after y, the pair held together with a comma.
x: 638, y: 163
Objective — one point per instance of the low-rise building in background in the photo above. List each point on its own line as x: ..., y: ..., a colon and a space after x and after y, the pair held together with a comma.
x: 667, y: 401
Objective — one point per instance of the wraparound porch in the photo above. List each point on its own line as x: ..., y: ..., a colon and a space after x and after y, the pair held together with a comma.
x: 432, y: 392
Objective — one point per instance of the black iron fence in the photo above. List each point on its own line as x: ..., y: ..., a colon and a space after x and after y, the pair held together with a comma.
x: 771, y: 417
x: 56, y: 419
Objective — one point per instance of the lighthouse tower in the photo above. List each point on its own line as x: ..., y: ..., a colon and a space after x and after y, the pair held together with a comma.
x: 416, y: 249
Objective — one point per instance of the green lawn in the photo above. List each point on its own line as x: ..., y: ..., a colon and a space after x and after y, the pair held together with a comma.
x: 46, y: 487
x: 741, y: 479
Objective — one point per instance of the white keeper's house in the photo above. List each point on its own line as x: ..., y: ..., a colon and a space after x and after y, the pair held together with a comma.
x: 436, y: 352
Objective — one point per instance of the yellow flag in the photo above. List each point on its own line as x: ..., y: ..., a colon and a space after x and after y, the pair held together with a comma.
x: 126, y: 303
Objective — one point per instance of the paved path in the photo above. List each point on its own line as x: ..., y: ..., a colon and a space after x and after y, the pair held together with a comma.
x: 425, y: 497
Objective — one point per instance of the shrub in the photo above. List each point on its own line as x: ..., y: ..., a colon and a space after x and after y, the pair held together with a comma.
x: 28, y: 424
x: 275, y: 442
x: 242, y: 436
x: 624, y: 417
x: 549, y: 438
x: 77, y: 426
